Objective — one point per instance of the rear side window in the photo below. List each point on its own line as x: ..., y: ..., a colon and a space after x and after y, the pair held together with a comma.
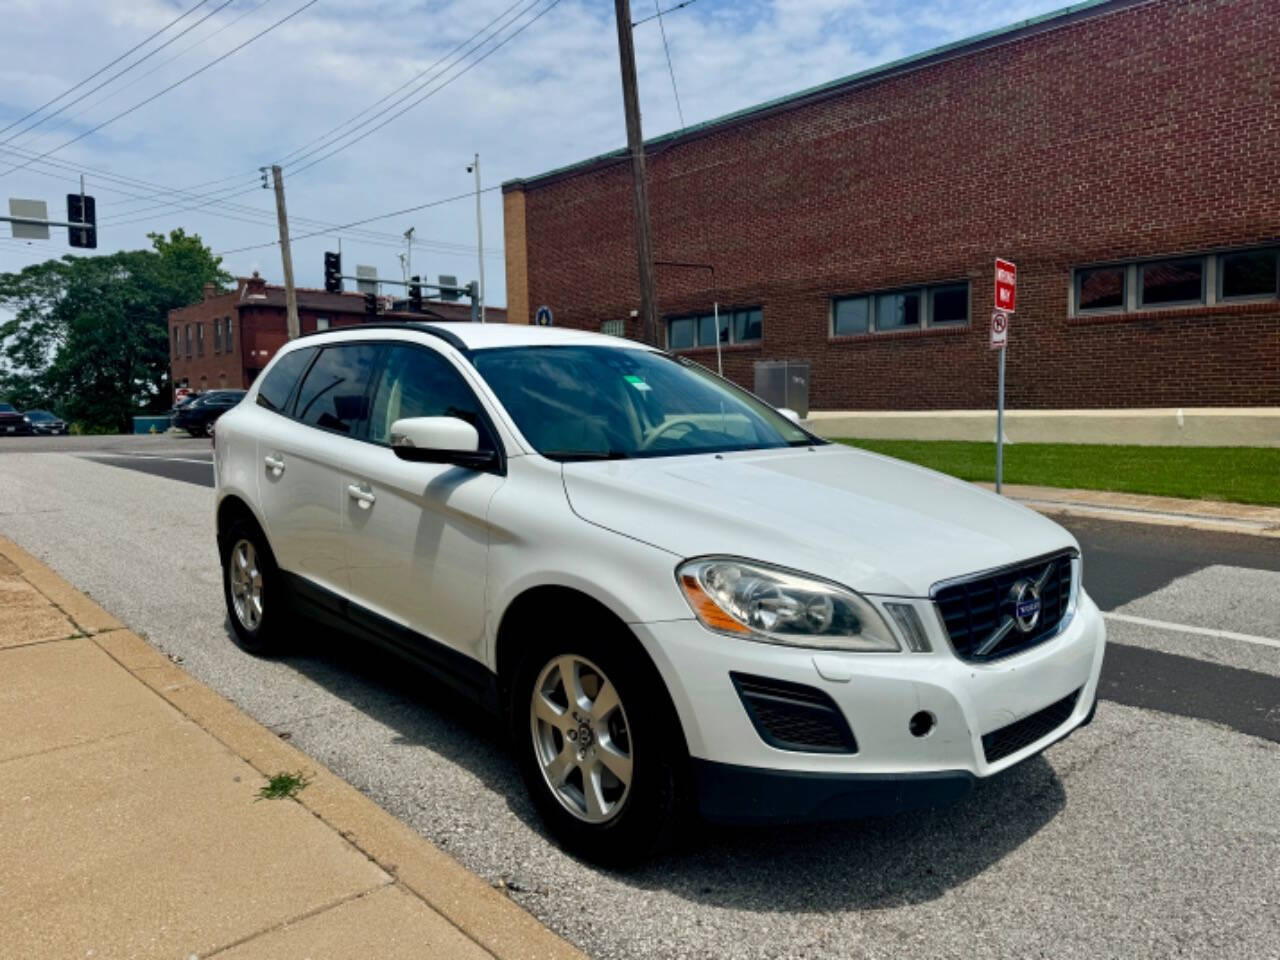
x: 335, y: 392
x: 277, y: 385
x: 417, y: 382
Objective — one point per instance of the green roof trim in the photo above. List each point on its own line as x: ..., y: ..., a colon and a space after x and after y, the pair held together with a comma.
x: 969, y: 44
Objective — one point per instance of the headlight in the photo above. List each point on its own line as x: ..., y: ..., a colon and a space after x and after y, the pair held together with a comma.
x: 763, y: 603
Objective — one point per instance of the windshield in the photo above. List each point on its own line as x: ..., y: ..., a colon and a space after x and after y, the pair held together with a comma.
x: 588, y: 403
x: 40, y: 415
x: 6, y: 408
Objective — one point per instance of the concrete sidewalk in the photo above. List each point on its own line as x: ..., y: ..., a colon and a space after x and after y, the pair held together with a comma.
x: 1140, y: 508
x: 131, y: 825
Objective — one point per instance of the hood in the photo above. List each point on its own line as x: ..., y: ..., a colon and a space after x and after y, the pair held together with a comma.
x: 867, y: 521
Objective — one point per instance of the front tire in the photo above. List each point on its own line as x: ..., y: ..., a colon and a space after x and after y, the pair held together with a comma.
x: 250, y: 586
x: 599, y: 746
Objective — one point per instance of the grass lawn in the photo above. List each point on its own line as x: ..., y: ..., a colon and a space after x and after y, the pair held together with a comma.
x: 1238, y: 474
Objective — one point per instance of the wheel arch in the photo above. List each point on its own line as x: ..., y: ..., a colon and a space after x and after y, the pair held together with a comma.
x: 233, y: 508
x: 538, y: 600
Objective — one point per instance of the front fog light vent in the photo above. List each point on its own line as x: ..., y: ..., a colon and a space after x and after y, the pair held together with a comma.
x: 908, y: 623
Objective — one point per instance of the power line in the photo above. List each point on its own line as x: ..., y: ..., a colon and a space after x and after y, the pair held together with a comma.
x: 469, y: 195
x: 102, y: 70
x: 474, y: 63
x: 160, y: 66
x: 176, y: 83
x: 410, y: 82
x: 662, y: 13
x: 119, y: 73
x: 471, y: 49
x: 670, y: 68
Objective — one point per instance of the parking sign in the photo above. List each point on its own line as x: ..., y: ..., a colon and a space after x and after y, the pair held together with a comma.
x: 999, y: 330
x: 1006, y: 286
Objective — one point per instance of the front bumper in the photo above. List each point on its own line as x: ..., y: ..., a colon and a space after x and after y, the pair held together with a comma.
x: 740, y: 777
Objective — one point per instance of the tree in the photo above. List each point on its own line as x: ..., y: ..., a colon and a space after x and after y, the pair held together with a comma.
x: 89, y: 336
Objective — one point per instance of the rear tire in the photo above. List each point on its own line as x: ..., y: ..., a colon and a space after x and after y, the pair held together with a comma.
x: 615, y: 749
x: 251, y: 588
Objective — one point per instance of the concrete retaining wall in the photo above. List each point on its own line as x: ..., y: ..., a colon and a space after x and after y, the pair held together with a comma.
x: 1191, y: 426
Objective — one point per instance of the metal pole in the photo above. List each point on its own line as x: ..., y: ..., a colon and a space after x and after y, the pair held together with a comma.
x: 1000, y: 425
x: 640, y: 192
x: 286, y: 254
x: 479, y: 236
x: 719, y: 362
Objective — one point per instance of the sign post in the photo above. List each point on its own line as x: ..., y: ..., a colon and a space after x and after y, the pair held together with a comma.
x: 1006, y: 300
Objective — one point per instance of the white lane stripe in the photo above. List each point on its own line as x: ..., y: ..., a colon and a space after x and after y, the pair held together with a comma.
x: 1187, y: 628
x: 147, y: 456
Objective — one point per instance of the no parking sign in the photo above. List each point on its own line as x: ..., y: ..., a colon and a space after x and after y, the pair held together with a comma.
x: 999, y: 330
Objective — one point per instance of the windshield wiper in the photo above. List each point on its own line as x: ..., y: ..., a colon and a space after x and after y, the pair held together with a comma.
x: 571, y: 456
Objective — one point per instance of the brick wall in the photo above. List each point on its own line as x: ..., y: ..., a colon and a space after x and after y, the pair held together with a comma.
x: 1139, y: 130
x: 215, y: 366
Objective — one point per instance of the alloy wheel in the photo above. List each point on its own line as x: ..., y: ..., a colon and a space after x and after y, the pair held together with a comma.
x: 581, y: 738
x: 246, y: 584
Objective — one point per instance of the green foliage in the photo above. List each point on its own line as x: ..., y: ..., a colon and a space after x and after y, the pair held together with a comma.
x: 283, y: 786
x: 1237, y: 474
x: 89, y: 335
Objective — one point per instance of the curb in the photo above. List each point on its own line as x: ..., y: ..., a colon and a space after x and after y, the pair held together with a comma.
x: 489, y: 918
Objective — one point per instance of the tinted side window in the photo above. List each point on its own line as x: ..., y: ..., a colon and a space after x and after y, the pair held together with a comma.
x: 280, y: 379
x: 417, y: 382
x: 335, y: 392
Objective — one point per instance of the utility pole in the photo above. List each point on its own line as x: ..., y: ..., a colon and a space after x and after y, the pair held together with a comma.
x: 475, y: 168
x: 407, y: 260
x: 635, y: 144
x: 282, y: 218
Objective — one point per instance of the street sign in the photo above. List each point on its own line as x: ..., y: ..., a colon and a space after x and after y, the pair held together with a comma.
x: 1006, y: 286
x: 29, y: 210
x: 542, y: 317
x: 999, y: 330
x: 368, y: 280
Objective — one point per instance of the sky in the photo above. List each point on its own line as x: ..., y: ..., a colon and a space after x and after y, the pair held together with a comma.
x: 546, y: 93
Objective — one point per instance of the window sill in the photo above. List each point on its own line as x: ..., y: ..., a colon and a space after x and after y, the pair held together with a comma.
x: 1244, y: 308
x: 950, y: 330
x: 724, y: 348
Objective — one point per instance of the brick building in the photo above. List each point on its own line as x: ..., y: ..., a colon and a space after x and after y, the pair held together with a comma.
x: 1124, y: 153
x: 227, y: 338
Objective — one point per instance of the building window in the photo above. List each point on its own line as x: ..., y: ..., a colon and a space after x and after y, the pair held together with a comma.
x: 217, y: 337
x: 614, y: 328
x: 188, y: 341
x: 177, y: 343
x: 940, y: 305
x: 1205, y: 279
x: 322, y: 323
x: 1249, y: 275
x: 1172, y: 282
x: 1100, y: 288
x: 227, y: 337
x: 737, y: 325
x: 199, y: 339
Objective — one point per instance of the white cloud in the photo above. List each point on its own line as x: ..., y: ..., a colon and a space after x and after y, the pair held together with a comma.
x: 550, y: 97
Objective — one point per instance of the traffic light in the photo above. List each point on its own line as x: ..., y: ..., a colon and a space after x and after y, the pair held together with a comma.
x: 415, y: 294
x: 370, y: 304
x: 333, y: 272
x: 82, y: 209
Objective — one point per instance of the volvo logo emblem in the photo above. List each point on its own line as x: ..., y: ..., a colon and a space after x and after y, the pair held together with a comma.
x: 1025, y: 595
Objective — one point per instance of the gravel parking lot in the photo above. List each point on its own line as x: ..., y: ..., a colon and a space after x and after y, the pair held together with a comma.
x: 1151, y: 833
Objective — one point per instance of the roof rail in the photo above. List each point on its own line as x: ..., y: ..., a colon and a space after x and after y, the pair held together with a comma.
x: 448, y: 336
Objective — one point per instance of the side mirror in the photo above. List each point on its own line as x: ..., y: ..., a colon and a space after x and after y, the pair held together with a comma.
x: 789, y: 414
x: 439, y: 440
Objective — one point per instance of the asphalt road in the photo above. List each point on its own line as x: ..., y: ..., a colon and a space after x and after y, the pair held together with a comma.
x: 1152, y: 833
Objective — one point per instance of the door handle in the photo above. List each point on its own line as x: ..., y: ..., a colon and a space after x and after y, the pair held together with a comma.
x: 361, y: 494
x: 274, y: 463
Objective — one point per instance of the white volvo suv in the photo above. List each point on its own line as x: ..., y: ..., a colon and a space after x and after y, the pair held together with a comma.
x: 679, y: 599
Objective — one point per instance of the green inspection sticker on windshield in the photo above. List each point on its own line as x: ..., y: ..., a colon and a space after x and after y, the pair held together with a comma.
x: 637, y: 382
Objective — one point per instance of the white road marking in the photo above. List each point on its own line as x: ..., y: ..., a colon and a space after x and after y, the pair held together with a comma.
x: 148, y: 456
x: 1200, y: 631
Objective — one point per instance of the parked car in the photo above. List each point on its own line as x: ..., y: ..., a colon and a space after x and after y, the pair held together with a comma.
x: 679, y: 599
x: 12, y: 422
x: 44, y: 422
x: 198, y: 416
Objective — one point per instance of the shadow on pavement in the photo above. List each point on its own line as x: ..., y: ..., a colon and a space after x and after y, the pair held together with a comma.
x: 876, y: 863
